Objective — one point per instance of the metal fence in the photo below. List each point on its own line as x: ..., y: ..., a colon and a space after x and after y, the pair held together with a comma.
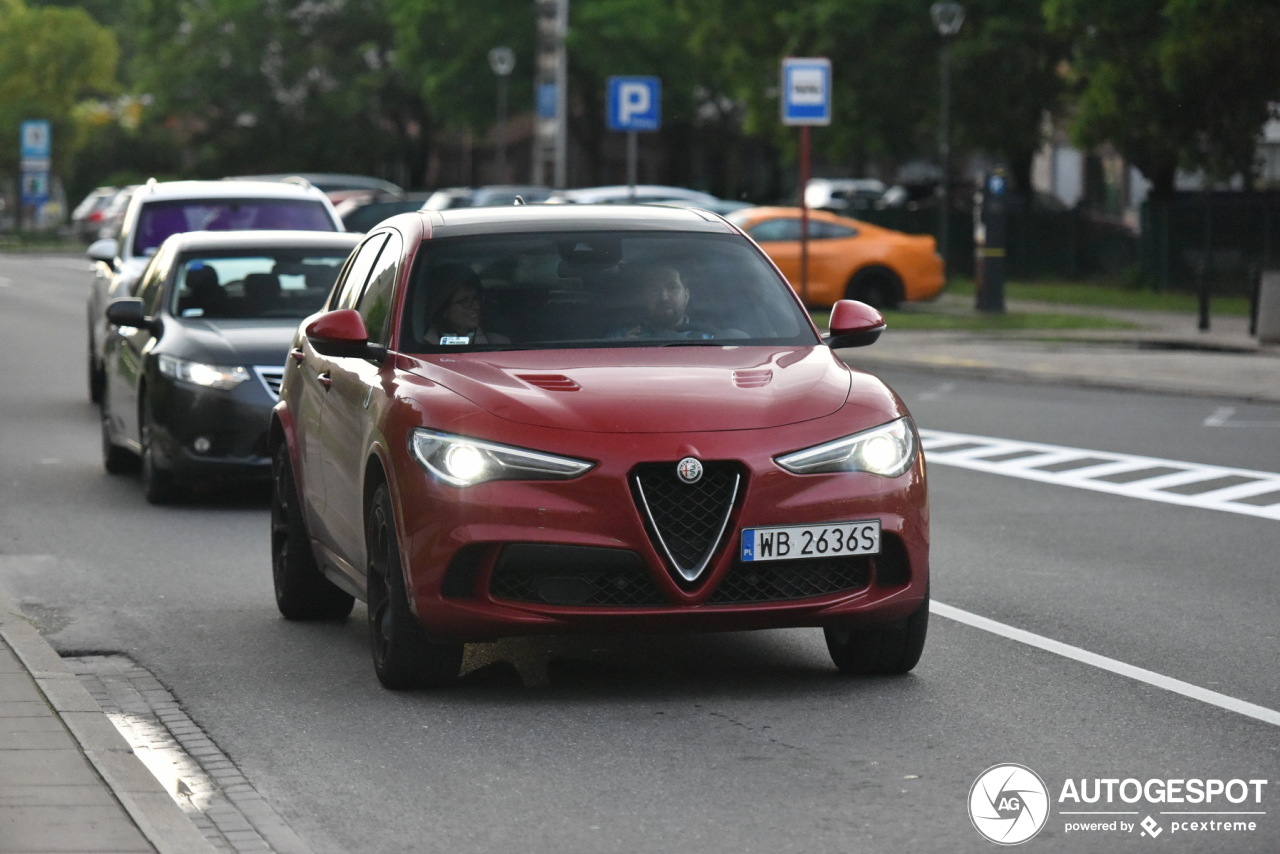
x: 1218, y: 240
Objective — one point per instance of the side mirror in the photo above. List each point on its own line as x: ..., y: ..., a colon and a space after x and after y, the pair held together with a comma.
x: 854, y: 324
x: 103, y: 250
x: 128, y: 311
x: 341, y: 334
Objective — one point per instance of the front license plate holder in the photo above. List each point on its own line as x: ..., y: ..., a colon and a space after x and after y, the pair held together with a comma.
x: 805, y: 542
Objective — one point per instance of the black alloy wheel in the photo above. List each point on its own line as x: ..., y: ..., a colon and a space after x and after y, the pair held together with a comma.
x: 886, y: 650
x: 405, y: 655
x: 302, y: 591
x: 878, y: 287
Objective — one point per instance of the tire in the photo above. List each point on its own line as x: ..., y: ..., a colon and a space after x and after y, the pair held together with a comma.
x: 97, y: 379
x: 405, y: 655
x: 878, y: 287
x: 115, y: 459
x: 159, y: 484
x: 886, y: 650
x: 302, y: 591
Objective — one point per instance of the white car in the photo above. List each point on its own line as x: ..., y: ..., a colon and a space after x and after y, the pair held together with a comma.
x: 158, y: 210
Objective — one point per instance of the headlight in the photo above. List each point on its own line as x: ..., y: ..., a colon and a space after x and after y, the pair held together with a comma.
x: 198, y: 373
x: 460, y: 461
x: 887, y: 450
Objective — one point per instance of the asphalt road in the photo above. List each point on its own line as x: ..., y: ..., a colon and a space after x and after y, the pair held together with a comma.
x: 703, y: 743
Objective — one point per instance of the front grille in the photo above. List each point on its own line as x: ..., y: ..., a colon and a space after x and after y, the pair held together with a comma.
x: 791, y: 579
x: 272, y: 377
x: 573, y: 575
x: 687, y: 520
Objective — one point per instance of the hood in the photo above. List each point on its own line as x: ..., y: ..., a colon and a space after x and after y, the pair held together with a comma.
x: 646, y: 390
x: 244, y: 342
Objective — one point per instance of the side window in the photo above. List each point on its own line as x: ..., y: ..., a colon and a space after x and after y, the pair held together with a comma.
x: 150, y: 286
x: 776, y: 229
x: 820, y: 230
x: 375, y: 304
x: 351, y: 281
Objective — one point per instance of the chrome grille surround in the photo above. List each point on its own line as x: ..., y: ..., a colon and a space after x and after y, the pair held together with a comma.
x: 687, y: 520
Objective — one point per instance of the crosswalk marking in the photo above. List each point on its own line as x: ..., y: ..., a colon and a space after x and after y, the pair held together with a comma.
x: 1242, y: 491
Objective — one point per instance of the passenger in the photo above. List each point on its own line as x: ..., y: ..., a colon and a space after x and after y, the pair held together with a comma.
x: 458, y: 297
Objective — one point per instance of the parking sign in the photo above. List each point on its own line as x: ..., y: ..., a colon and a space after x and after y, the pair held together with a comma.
x: 806, y: 91
x: 635, y: 103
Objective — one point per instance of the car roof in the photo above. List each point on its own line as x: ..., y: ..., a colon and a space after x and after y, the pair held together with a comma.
x: 226, y: 189
x: 588, y: 195
x: 330, y: 181
x: 538, y: 218
x: 266, y: 239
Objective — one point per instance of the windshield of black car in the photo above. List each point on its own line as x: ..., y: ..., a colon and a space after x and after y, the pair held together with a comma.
x: 597, y: 289
x: 286, y: 283
x: 161, y: 219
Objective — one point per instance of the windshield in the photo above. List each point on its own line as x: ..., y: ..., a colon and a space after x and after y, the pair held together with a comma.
x: 597, y: 289
x: 159, y: 220
x: 262, y: 284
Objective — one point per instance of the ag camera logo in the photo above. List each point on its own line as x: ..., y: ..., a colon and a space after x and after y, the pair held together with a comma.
x: 1008, y: 804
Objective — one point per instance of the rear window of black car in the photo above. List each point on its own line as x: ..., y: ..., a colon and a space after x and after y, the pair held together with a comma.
x: 160, y: 220
x: 586, y: 289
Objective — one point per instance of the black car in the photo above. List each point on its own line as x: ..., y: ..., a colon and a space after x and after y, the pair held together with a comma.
x: 195, y: 355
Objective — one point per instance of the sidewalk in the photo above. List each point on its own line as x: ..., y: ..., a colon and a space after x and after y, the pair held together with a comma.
x: 70, y: 783
x: 1162, y: 352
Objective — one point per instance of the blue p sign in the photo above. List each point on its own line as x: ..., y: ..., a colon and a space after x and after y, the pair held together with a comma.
x: 635, y: 103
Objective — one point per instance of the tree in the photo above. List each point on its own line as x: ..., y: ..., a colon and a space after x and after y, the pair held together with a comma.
x: 1172, y: 83
x: 288, y: 86
x: 50, y: 59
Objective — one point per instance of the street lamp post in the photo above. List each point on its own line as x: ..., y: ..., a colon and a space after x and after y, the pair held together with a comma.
x: 503, y: 61
x: 947, y: 18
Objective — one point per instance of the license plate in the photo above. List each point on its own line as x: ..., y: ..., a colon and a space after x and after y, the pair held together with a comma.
x: 798, y: 542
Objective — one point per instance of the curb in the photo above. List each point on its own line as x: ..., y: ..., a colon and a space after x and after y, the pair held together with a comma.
x: 155, y: 813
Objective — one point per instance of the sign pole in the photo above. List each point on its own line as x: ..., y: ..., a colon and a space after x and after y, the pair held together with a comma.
x: 804, y: 214
x: 806, y: 101
x: 632, y: 156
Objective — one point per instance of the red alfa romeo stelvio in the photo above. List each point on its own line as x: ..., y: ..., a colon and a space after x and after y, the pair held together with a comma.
x: 575, y: 418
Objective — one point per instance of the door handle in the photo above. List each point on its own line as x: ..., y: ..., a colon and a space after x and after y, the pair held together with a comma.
x: 297, y: 355
x: 325, y: 380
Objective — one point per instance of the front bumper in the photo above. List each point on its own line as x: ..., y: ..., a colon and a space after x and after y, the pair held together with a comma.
x: 511, y: 558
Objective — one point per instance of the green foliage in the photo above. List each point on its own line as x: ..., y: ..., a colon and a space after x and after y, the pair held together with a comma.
x: 1173, y: 83
x: 50, y: 59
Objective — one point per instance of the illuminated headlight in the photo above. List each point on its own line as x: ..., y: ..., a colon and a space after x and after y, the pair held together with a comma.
x: 887, y: 450
x: 198, y: 373
x: 460, y: 461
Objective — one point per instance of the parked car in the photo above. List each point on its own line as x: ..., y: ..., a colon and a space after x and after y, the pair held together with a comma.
x: 628, y: 194
x: 560, y: 418
x: 847, y: 258
x: 487, y: 196
x: 844, y: 195
x: 157, y: 210
x: 193, y: 363
x: 86, y: 217
x: 360, y: 215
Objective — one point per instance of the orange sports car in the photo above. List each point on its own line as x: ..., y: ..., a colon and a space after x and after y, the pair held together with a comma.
x: 848, y: 258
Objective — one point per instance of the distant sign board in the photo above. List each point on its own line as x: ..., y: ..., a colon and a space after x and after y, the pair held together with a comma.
x: 635, y: 103
x: 806, y: 91
x: 35, y: 149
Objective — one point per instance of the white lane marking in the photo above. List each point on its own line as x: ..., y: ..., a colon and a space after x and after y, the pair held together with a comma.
x: 1226, y: 489
x: 1075, y: 653
x: 1220, y: 416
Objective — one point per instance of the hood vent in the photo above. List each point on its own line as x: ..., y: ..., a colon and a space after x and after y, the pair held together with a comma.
x: 755, y: 378
x: 550, y: 382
